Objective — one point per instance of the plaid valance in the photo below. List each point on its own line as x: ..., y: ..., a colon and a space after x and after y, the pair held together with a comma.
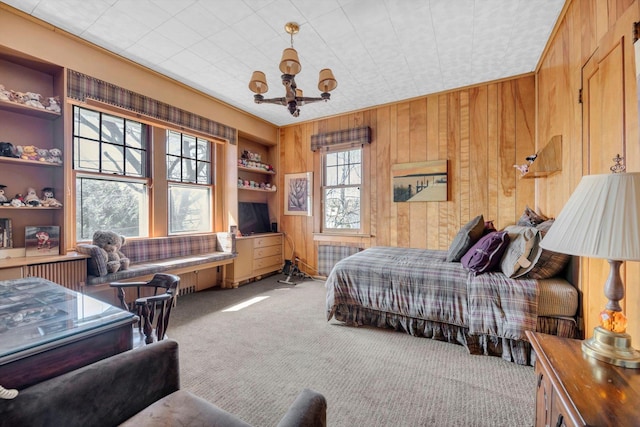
x: 357, y: 136
x: 80, y: 87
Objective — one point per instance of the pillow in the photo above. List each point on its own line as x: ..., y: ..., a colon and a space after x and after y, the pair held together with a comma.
x: 96, y: 265
x: 486, y: 254
x: 523, y: 251
x: 466, y: 237
x: 550, y: 263
x: 489, y: 227
x: 530, y: 218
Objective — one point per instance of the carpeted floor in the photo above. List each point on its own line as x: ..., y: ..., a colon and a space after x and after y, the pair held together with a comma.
x: 253, y: 362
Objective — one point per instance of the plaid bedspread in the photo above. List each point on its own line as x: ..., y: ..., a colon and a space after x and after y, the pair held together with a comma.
x: 419, y: 283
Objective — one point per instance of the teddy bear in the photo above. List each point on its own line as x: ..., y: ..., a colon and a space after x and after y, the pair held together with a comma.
x: 3, y: 198
x: 42, y: 154
x: 49, y: 199
x: 28, y: 152
x: 111, y: 243
x: 55, y: 155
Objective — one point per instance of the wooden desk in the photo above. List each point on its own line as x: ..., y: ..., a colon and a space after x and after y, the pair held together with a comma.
x: 577, y: 390
x: 47, y: 330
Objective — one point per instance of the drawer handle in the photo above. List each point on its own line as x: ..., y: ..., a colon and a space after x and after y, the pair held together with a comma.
x: 560, y: 422
x: 539, y: 379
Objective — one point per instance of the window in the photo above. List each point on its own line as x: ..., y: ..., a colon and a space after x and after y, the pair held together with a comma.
x: 189, y: 174
x: 110, y: 160
x: 342, y: 180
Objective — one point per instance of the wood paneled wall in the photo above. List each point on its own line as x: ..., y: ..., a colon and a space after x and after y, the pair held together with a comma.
x: 482, y: 131
x: 592, y: 50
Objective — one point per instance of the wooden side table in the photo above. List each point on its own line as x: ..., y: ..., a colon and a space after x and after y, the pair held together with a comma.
x: 577, y: 390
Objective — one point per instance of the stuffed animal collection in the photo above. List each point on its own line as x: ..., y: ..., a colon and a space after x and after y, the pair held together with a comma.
x: 48, y: 198
x: 31, y: 152
x: 110, y: 243
x: 31, y: 99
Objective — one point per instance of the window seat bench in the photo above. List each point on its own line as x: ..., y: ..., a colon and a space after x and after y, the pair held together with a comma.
x: 173, y: 254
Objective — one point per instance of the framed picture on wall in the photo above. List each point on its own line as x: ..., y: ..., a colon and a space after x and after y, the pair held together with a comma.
x: 420, y: 182
x: 5, y: 233
x: 298, y: 193
x: 42, y: 240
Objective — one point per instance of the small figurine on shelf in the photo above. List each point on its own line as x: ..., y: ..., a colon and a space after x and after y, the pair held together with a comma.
x: 28, y: 152
x: 245, y: 155
x: 31, y: 199
x: 42, y: 154
x: 33, y: 100
x: 49, y: 199
x: 5, y: 95
x: 52, y: 103
x: 3, y: 198
x: 55, y: 156
x: 7, y: 149
x: 17, y: 201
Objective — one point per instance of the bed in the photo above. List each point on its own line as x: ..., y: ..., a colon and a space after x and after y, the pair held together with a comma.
x: 418, y: 291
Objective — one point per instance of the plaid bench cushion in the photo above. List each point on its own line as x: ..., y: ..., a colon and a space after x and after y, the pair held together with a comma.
x: 158, y: 254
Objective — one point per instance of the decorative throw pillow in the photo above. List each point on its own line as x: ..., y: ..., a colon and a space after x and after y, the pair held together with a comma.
x: 550, y: 263
x: 96, y: 265
x: 486, y: 253
x: 523, y: 251
x: 466, y: 237
x: 489, y: 227
x: 530, y: 218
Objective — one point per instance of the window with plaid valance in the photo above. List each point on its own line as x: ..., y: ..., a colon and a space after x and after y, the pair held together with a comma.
x: 80, y: 87
x: 342, y: 138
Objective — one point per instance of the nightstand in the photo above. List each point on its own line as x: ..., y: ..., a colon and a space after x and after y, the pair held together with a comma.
x: 576, y: 390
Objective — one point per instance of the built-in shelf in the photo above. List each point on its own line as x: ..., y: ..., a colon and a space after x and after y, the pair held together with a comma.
x: 549, y: 160
x: 256, y: 189
x: 29, y: 110
x: 31, y: 208
x: 256, y: 170
x: 26, y: 162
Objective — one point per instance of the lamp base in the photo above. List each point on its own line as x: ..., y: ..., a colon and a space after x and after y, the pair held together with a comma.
x: 612, y: 348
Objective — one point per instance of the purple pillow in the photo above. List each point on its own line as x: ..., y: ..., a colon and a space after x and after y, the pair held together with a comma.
x: 485, y: 255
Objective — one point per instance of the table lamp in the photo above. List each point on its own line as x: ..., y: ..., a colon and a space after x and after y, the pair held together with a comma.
x: 602, y: 220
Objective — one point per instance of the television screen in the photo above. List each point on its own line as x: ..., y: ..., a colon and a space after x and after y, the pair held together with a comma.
x: 253, y: 218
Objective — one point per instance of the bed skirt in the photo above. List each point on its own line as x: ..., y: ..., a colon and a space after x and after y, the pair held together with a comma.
x: 516, y: 351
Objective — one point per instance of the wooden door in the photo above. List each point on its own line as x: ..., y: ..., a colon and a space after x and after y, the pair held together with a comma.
x: 609, y: 128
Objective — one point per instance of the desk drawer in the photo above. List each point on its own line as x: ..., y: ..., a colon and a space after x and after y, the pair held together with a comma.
x: 267, y: 251
x: 260, y: 242
x: 274, y: 261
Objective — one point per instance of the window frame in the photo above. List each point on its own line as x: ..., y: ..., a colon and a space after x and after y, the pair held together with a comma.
x: 101, y: 174
x: 323, y: 187
x: 185, y: 182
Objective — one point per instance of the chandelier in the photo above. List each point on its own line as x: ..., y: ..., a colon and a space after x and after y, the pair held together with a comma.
x: 290, y: 66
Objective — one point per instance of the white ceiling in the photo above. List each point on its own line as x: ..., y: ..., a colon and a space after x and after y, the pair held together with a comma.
x: 380, y: 51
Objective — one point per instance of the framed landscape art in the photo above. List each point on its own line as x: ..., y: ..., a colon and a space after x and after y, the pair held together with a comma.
x: 420, y: 181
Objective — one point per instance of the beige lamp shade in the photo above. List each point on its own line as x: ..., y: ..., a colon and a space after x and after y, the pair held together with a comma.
x: 326, y: 81
x: 601, y: 219
x: 258, y: 83
x: 290, y: 64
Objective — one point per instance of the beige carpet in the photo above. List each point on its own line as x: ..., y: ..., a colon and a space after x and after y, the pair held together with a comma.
x: 253, y: 362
